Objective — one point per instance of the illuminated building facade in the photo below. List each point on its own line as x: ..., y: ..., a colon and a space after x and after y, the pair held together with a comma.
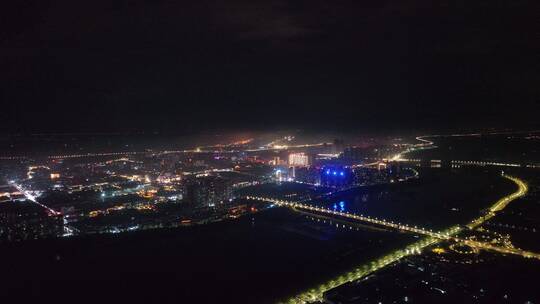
x: 207, y: 191
x: 298, y: 160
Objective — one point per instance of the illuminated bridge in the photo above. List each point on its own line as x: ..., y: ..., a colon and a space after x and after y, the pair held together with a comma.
x: 367, y: 219
x: 446, y: 235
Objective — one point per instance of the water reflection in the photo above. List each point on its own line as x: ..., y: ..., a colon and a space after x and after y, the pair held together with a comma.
x: 341, y: 206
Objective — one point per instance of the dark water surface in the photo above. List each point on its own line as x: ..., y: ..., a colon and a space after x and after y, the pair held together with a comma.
x: 255, y: 259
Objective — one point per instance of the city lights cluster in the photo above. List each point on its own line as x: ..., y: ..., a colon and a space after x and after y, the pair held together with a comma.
x: 334, y: 173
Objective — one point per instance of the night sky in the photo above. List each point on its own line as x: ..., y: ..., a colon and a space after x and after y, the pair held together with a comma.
x: 181, y: 66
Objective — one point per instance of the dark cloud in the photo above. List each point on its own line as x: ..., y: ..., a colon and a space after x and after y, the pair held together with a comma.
x: 266, y: 20
x: 176, y: 65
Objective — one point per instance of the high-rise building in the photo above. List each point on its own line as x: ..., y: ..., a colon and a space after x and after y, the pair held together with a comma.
x: 207, y: 191
x: 279, y: 175
x: 276, y: 161
x: 338, y: 146
x: 354, y: 154
x: 292, y: 172
x: 298, y: 160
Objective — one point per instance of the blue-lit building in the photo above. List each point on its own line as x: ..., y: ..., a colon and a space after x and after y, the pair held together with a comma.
x: 336, y: 176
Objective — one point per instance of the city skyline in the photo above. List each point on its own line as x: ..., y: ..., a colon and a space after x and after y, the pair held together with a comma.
x: 270, y: 151
x: 443, y: 202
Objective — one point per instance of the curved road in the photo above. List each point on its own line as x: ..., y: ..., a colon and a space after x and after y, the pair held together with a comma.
x: 316, y: 293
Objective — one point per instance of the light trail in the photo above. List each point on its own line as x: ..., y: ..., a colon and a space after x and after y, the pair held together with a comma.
x: 316, y: 294
x: 445, y: 235
x: 68, y: 231
x: 425, y: 145
x: 502, y: 203
x: 29, y: 196
x: 428, y: 144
